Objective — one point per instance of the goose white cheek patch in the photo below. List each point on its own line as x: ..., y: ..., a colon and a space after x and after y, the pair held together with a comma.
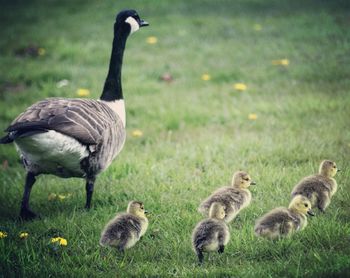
x: 133, y: 24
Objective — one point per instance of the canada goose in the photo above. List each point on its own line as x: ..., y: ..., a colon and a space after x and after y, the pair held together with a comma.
x: 234, y: 198
x: 319, y: 188
x: 126, y: 229
x: 75, y: 137
x: 282, y: 221
x: 211, y: 234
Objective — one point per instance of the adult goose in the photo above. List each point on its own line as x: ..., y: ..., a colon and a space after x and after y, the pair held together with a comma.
x: 75, y: 137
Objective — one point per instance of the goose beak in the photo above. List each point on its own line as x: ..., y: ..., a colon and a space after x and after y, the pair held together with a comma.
x: 311, y: 213
x: 143, y: 23
x: 253, y: 183
x: 146, y: 212
x: 338, y: 170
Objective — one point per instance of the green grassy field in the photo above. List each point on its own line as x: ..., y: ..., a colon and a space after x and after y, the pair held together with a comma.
x: 196, y: 133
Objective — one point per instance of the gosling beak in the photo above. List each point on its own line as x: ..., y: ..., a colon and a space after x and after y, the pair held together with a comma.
x: 252, y: 183
x: 311, y: 213
x: 338, y: 170
x: 146, y: 211
x: 143, y: 23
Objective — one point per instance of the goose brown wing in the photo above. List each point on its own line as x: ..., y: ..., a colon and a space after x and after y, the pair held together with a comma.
x: 82, y: 119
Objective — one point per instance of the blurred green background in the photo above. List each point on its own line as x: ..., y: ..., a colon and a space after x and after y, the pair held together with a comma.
x: 189, y: 128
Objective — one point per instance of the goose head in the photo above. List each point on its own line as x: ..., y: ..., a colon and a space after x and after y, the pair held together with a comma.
x: 217, y: 211
x: 136, y: 208
x: 128, y: 21
x: 241, y: 179
x: 301, y: 204
x: 328, y: 168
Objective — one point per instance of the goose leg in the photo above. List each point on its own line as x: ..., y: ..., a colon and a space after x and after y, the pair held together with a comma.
x: 25, y: 212
x: 89, y: 190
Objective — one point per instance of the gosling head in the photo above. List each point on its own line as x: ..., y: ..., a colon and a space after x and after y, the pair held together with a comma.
x: 328, y: 168
x: 129, y: 22
x: 136, y: 208
x: 217, y: 211
x: 301, y: 205
x: 241, y: 179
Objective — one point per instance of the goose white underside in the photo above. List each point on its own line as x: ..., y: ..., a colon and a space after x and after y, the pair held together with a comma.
x: 52, y: 153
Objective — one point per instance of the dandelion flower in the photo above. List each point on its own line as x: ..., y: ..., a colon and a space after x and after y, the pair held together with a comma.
x: 152, y: 40
x: 252, y: 116
x: 23, y: 235
x: 206, y: 77
x: 41, y: 51
x: 61, y: 197
x: 3, y: 234
x: 60, y: 240
x: 52, y: 197
x: 137, y: 133
x: 240, y: 86
x: 281, y: 62
x: 83, y: 92
x: 257, y: 27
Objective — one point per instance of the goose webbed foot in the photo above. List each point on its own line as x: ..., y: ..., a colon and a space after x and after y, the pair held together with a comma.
x: 27, y: 214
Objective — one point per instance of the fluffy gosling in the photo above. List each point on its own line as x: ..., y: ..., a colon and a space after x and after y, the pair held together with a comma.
x: 125, y: 229
x: 211, y: 234
x: 234, y: 198
x: 281, y: 222
x: 319, y: 188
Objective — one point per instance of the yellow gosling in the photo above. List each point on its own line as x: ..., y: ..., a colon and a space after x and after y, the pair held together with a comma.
x: 319, y: 188
x: 125, y: 229
x: 234, y: 198
x: 282, y: 222
x: 211, y: 234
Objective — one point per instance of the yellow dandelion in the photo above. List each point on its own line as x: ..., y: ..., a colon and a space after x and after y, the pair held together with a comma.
x: 83, y: 92
x: 52, y: 197
x: 280, y: 62
x: 23, y: 235
x: 60, y: 240
x: 252, y: 116
x: 137, y: 133
x: 41, y: 51
x: 3, y: 234
x: 152, y: 40
x: 63, y: 242
x: 61, y: 197
x: 257, y: 27
x: 206, y: 77
x: 240, y: 86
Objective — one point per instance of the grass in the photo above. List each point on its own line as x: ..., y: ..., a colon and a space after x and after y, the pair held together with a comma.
x: 195, y: 132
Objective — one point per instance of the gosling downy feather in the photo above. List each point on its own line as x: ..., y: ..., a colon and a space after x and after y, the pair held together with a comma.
x: 211, y: 234
x: 125, y: 229
x: 319, y: 188
x: 234, y: 198
x: 282, y: 221
x: 75, y: 137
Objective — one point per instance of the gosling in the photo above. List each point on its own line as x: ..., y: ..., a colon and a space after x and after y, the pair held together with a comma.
x: 319, y: 188
x: 125, y: 229
x: 234, y: 198
x: 282, y: 222
x: 211, y: 234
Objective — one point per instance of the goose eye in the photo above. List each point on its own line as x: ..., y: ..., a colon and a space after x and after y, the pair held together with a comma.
x: 306, y: 205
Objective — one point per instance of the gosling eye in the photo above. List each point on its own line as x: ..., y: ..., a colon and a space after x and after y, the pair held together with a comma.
x: 306, y: 205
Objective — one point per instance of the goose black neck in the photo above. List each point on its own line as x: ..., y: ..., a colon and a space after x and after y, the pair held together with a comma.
x: 112, y: 89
